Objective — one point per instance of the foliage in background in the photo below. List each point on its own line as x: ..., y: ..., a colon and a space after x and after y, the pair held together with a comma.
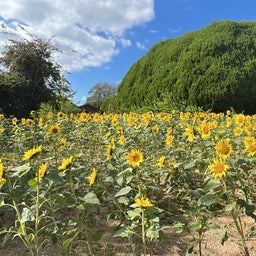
x: 30, y: 77
x: 99, y: 92
x: 213, y: 68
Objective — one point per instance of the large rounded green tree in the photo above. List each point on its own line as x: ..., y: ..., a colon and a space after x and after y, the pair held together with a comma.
x: 213, y: 68
x: 30, y: 77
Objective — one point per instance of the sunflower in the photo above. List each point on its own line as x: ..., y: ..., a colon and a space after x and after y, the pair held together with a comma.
x: 65, y: 163
x: 2, y: 179
x: 218, y: 169
x: 223, y: 148
x: 143, y: 202
x: 134, y: 157
x: 41, y: 122
x: 249, y: 140
x: 238, y: 131
x: 161, y: 161
x: 169, y: 130
x: 1, y: 130
x: 251, y: 149
x: 14, y: 120
x: 32, y: 112
x: 23, y: 121
x: 31, y: 152
x: 155, y: 129
x: 228, y: 122
x: 107, y: 134
x: 114, y: 122
x: 62, y: 143
x: 54, y: 129
x: 169, y: 140
x: 189, y: 132
x: 29, y: 122
x: 49, y: 115
x: 248, y: 128
x: 120, y: 129
x: 109, y: 151
x: 60, y: 115
x: 239, y: 118
x: 92, y: 176
x: 121, y: 140
x: 205, y: 130
x: 42, y: 170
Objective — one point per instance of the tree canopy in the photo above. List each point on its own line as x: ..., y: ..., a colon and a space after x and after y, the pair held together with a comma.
x: 100, y: 92
x: 29, y: 77
x: 213, y: 68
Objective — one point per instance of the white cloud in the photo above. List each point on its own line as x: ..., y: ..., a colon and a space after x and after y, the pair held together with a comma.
x: 175, y: 30
x: 90, y: 32
x: 141, y: 46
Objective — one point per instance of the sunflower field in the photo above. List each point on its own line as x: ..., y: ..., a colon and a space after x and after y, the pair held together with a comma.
x: 63, y: 176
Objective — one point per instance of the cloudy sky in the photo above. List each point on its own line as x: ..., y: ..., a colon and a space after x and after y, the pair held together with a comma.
x: 101, y: 39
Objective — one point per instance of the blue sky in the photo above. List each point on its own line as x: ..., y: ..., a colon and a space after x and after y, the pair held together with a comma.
x: 101, y: 39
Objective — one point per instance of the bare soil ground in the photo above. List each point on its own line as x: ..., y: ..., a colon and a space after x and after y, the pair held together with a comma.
x: 172, y: 245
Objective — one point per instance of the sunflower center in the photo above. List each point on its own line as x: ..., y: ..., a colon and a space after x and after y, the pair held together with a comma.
x: 55, y: 130
x: 135, y: 158
x: 224, y: 149
x: 218, y: 168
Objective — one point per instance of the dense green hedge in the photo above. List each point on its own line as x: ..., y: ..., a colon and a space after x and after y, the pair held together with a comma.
x: 213, y: 68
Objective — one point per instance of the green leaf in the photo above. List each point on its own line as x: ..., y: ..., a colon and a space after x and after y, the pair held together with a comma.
x: 207, y: 200
x: 241, y: 161
x: 123, y: 200
x: 177, y: 165
x: 153, y: 186
x: 249, y: 208
x: 120, y: 180
x: 211, y: 183
x: 134, y: 213
x: 91, y: 198
x: 123, y: 191
x: 223, y: 236
x: 20, y: 170
x: 129, y: 178
x: 33, y: 183
x: 189, y: 165
x: 27, y: 215
x: 253, y: 172
x: 196, y: 226
x: 125, y: 172
x: 55, y: 177
x: 230, y: 207
x: 123, y: 232
x: 109, y: 179
x: 237, y: 213
x: 66, y: 244
x: 152, y: 234
x: 213, y: 226
x: 179, y: 227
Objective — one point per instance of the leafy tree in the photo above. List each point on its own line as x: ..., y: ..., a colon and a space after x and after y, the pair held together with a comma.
x: 29, y: 77
x: 213, y: 68
x: 99, y: 92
